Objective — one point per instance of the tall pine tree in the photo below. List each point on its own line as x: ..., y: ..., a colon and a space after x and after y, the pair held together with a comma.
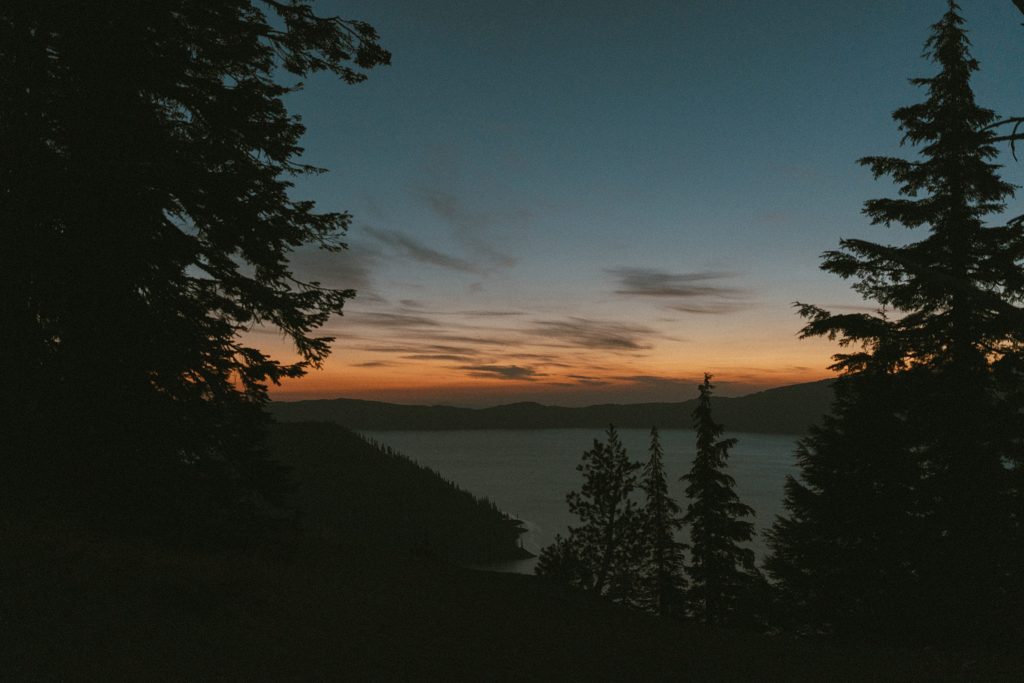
x: 913, y: 485
x: 720, y: 567
x: 148, y: 220
x: 663, y: 566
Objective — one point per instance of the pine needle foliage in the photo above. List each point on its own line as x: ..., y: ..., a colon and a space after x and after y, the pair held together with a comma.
x: 720, y: 567
x: 906, y: 519
x: 148, y: 226
x: 663, y: 565
x: 604, y: 552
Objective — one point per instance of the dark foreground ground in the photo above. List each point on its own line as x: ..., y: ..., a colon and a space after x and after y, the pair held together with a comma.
x: 79, y: 610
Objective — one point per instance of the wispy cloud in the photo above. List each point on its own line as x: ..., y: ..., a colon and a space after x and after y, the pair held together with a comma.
x: 594, y: 334
x: 651, y: 379
x: 586, y: 379
x: 441, y: 356
x: 408, y: 349
x: 418, y: 251
x: 394, y: 320
x: 489, y: 314
x: 514, y: 349
x: 349, y: 269
x: 542, y: 358
x: 479, y: 340
x: 708, y: 307
x: 697, y: 292
x: 469, y: 224
x: 511, y: 372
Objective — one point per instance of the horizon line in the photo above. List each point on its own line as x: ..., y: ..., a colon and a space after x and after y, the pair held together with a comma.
x: 285, y: 398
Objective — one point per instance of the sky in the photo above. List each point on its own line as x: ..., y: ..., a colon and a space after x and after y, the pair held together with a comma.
x: 594, y: 202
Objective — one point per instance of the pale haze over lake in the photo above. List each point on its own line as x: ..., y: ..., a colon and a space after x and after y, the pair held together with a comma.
x: 528, y: 472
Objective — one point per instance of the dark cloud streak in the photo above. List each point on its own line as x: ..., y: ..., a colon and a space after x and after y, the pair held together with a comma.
x: 393, y: 320
x: 348, y: 269
x: 694, y: 292
x: 470, y: 224
x: 594, y: 334
x: 420, y: 252
x: 507, y: 372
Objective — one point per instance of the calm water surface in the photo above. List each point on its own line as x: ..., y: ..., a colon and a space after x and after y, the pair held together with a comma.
x: 527, y: 473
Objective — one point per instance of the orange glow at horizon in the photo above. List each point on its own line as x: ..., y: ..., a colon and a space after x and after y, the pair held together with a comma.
x: 562, y: 351
x: 598, y: 378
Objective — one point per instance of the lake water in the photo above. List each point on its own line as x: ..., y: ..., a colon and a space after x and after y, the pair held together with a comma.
x: 527, y: 473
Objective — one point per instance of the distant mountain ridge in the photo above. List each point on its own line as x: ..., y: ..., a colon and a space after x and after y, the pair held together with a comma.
x: 784, y: 410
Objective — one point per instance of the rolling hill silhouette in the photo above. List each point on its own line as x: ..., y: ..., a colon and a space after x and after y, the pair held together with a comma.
x: 785, y: 410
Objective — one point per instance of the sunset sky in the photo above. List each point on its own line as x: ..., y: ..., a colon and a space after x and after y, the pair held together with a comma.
x: 583, y: 202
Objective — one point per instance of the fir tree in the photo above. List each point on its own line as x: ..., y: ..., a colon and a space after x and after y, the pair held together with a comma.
x: 148, y: 221
x: 561, y: 561
x: 602, y: 554
x: 842, y: 556
x: 663, y: 570
x: 912, y: 481
x: 720, y: 568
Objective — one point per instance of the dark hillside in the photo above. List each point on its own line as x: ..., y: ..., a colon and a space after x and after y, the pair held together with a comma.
x: 366, y: 497
x: 78, y: 610
x: 785, y: 410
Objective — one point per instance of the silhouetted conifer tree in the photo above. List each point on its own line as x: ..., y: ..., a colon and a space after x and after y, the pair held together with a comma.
x: 562, y: 561
x: 663, y: 565
x: 720, y: 568
x: 907, y: 514
x: 148, y: 223
x: 604, y: 553
x: 843, y: 556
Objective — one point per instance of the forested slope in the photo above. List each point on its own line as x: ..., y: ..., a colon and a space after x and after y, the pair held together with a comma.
x: 365, y: 497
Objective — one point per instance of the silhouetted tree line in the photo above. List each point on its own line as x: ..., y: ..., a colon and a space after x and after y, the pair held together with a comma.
x: 147, y: 226
x: 629, y: 552
x: 906, y: 522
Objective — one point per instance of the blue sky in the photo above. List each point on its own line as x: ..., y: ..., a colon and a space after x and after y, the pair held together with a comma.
x: 575, y: 202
